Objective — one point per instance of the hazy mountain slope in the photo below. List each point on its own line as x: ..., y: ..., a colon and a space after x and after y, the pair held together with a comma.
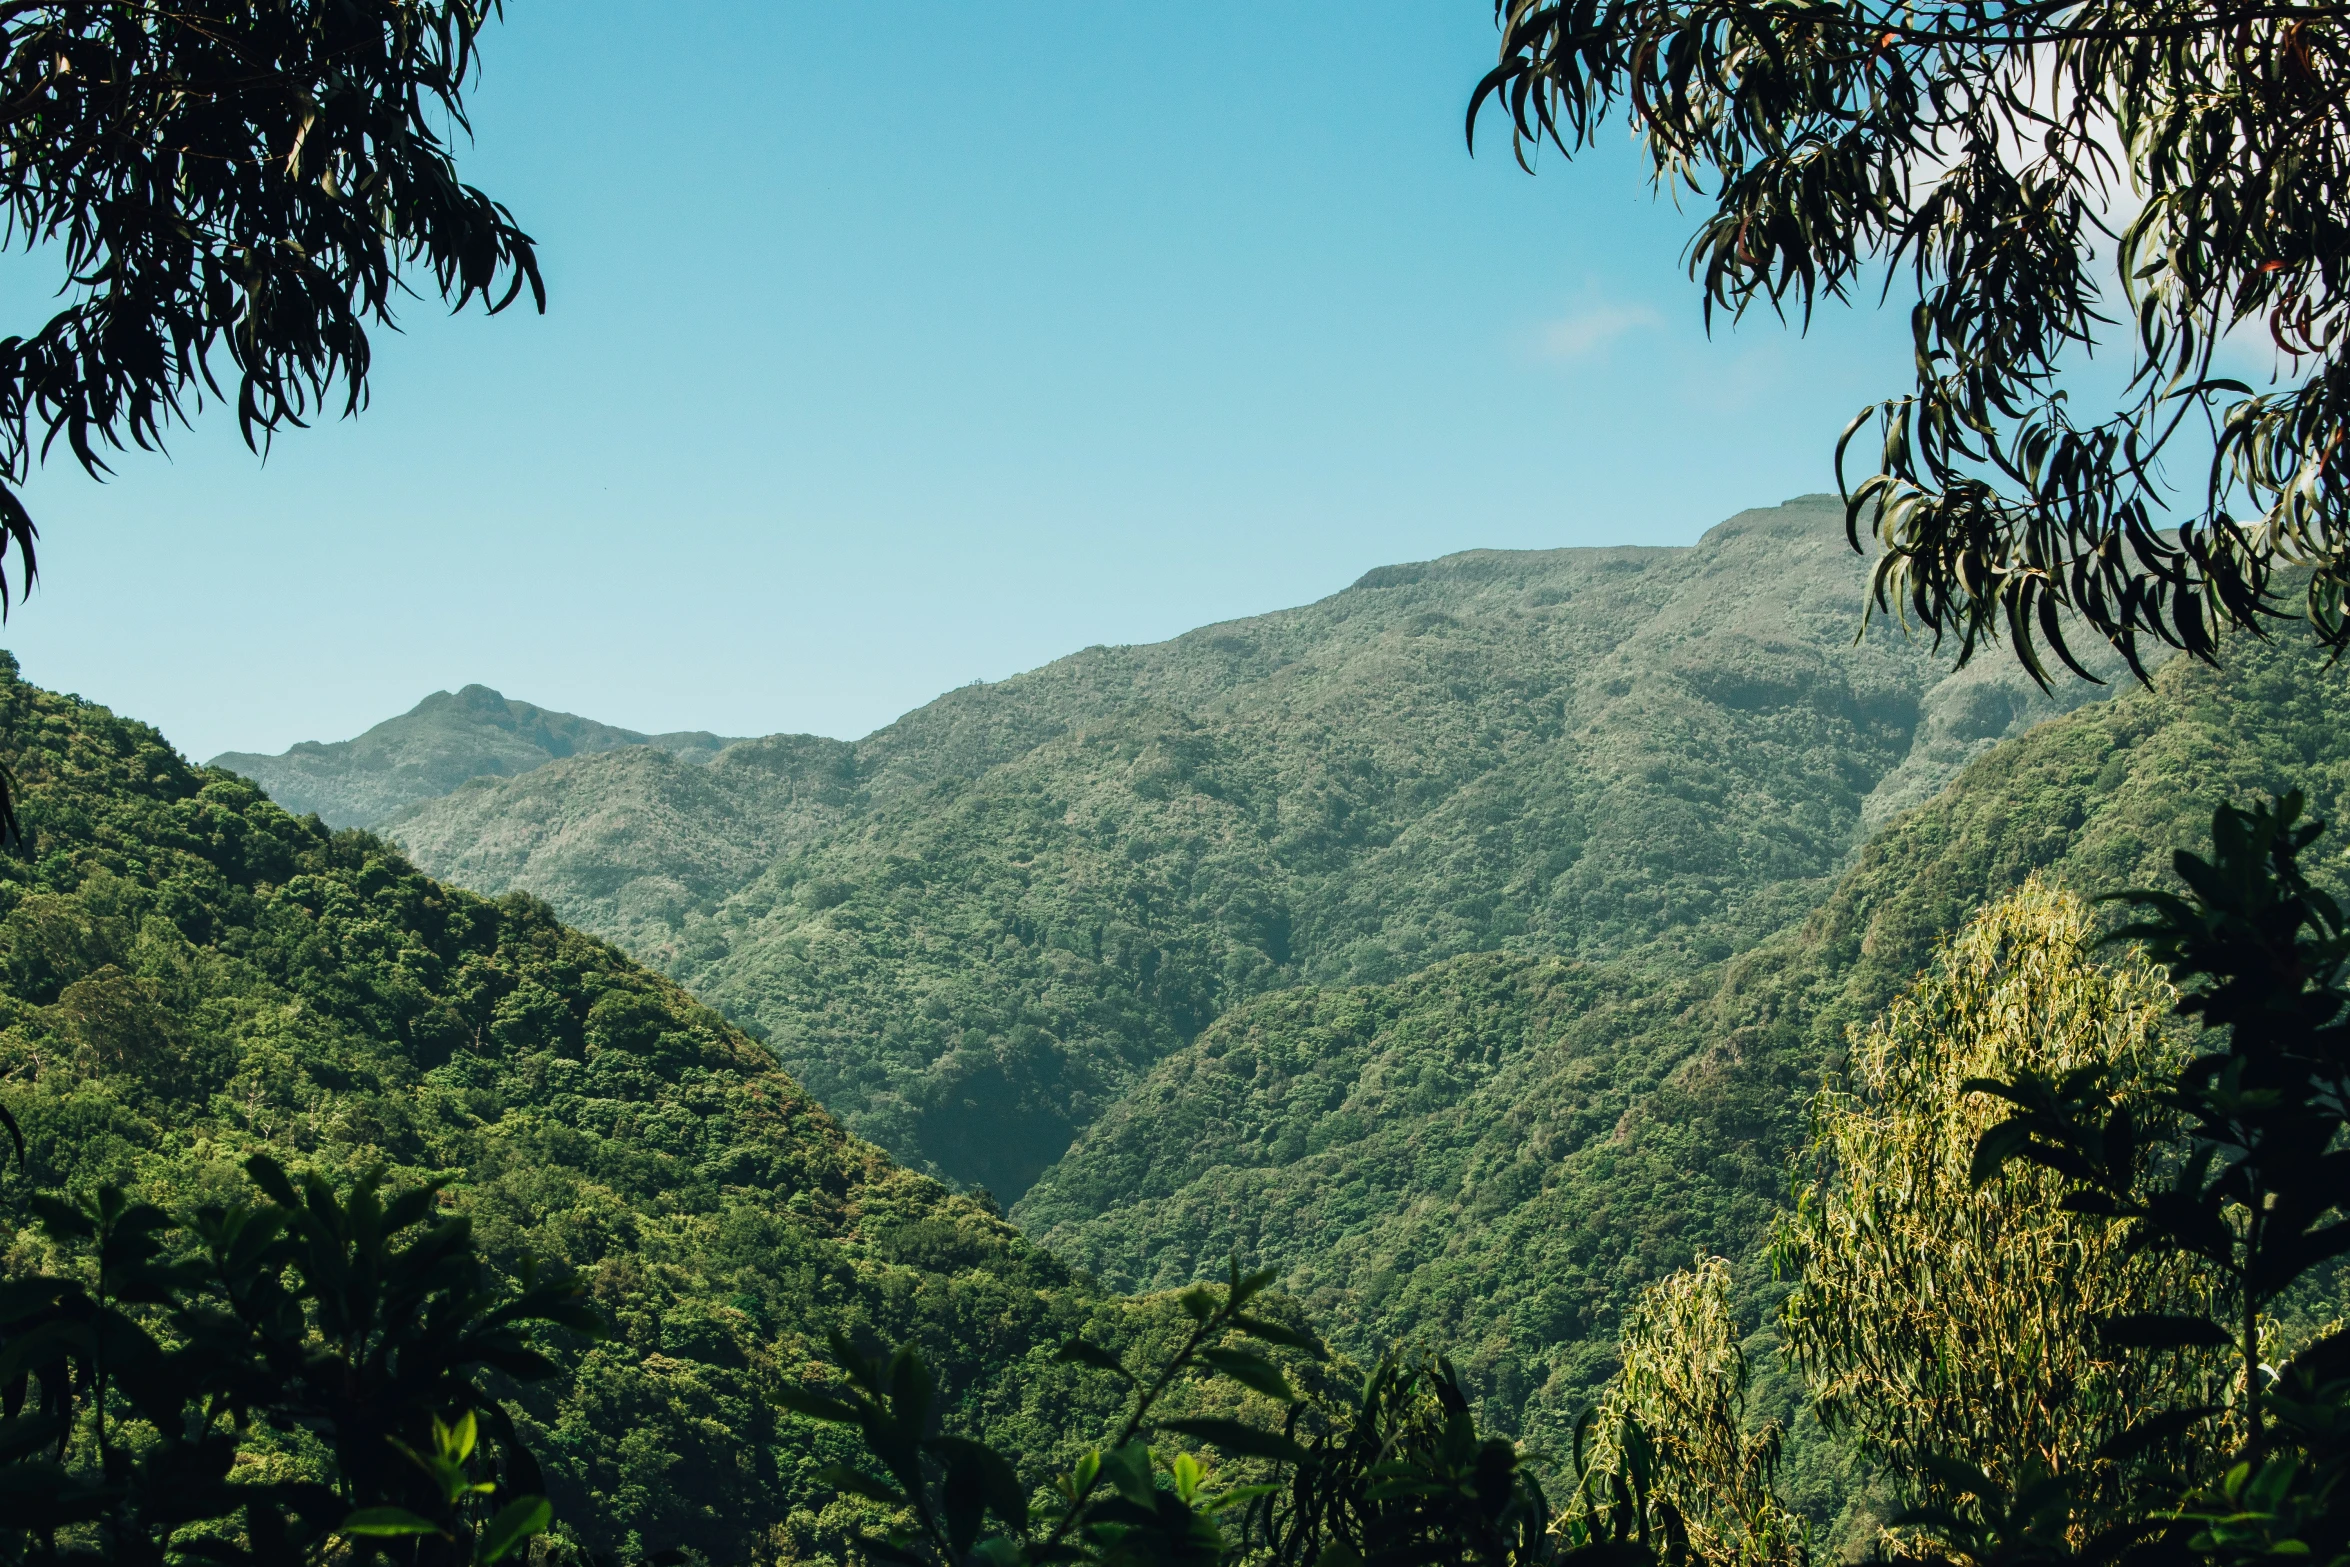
x: 1497, y: 1152
x: 1035, y: 889
x: 638, y: 839
x: 432, y: 748
x: 188, y: 973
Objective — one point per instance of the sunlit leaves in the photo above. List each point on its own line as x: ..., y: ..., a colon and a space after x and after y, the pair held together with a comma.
x: 1944, y: 1317
x: 1674, y: 1421
x: 2253, y: 1191
x: 2248, y: 1188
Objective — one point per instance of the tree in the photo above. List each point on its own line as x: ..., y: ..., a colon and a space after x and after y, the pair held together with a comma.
x: 254, y: 178
x: 2051, y: 173
x: 1681, y: 1388
x: 1124, y: 1501
x: 1938, y: 1323
x: 236, y: 188
x: 1394, y: 1474
x: 2249, y: 1186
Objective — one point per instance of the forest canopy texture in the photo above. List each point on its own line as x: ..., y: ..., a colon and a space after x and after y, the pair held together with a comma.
x: 1495, y: 1155
x: 1498, y: 1150
x: 972, y: 931
x: 190, y: 976
x: 1463, y: 959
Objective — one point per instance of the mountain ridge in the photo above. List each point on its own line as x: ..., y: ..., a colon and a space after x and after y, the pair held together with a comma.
x: 190, y: 974
x: 1496, y: 1152
x: 970, y: 931
x: 434, y: 747
x: 1463, y: 946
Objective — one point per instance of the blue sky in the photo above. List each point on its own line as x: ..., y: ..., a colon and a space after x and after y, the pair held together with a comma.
x: 890, y: 349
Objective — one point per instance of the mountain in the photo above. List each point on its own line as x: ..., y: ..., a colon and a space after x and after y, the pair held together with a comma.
x: 1496, y: 1153
x: 972, y: 932
x: 634, y: 844
x: 1464, y: 947
x: 432, y: 748
x: 189, y: 974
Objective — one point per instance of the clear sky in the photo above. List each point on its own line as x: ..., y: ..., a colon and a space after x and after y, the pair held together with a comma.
x: 893, y: 348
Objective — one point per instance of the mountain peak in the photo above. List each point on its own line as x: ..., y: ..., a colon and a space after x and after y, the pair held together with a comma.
x: 442, y: 742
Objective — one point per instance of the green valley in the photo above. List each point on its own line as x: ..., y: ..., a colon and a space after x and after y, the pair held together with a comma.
x: 1497, y: 1152
x: 1822, y: 1044
x: 1464, y: 947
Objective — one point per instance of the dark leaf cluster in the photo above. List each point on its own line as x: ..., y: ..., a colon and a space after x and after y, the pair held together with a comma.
x: 2051, y: 175
x: 236, y: 191
x: 1112, y: 1506
x: 136, y: 1387
x: 1390, y: 1473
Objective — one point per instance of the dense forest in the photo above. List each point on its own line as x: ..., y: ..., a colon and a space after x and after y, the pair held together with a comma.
x: 1498, y: 1152
x: 1495, y: 1150
x: 971, y: 932
x: 1556, y: 1059
x: 188, y: 975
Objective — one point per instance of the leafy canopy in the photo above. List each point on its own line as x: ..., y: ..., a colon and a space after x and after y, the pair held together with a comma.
x: 2052, y: 174
x: 254, y: 177
x: 190, y: 977
x: 1390, y: 1471
x: 2249, y: 1190
x: 1680, y: 1389
x: 1936, y: 1321
x: 150, y: 1387
x: 2019, y: 1385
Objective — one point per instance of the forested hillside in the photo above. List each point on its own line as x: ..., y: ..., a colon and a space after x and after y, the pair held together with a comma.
x: 436, y: 745
x: 1496, y: 1153
x: 1489, y: 1151
x: 189, y: 974
x: 970, y: 933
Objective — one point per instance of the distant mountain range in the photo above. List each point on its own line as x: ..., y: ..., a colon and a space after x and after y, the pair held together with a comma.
x: 1464, y: 946
x: 436, y: 745
x: 971, y: 932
